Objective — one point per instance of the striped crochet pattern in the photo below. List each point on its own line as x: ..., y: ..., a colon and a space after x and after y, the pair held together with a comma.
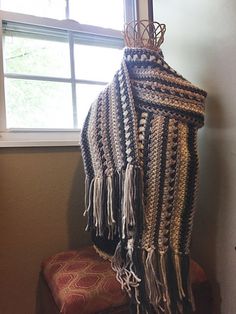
x: 139, y: 146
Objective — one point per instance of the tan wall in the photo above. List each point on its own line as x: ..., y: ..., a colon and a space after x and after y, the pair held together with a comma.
x: 41, y: 207
x: 201, y: 44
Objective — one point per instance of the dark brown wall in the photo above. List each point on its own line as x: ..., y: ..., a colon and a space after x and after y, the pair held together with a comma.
x: 41, y: 212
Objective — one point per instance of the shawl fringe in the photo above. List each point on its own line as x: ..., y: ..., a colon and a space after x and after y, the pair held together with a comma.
x: 165, y: 272
x: 168, y: 294
x: 102, y: 193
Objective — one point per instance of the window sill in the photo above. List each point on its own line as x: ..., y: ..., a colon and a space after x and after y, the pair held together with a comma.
x: 37, y: 143
x: 35, y: 138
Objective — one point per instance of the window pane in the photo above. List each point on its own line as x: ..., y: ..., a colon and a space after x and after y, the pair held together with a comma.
x: 104, y: 13
x: 38, y: 104
x: 36, y: 56
x: 48, y: 8
x: 86, y: 94
x: 96, y: 63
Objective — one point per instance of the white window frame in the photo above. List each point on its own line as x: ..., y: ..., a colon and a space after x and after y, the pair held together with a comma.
x: 134, y: 9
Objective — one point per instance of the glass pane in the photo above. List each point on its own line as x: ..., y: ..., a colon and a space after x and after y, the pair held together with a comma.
x: 36, y: 56
x: 104, y: 13
x: 96, y: 63
x: 38, y: 104
x: 86, y: 94
x: 48, y: 8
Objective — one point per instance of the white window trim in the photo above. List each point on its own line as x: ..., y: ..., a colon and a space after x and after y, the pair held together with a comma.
x: 53, y: 137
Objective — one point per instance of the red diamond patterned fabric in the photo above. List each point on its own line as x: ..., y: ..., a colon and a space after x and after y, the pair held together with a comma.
x: 83, y: 282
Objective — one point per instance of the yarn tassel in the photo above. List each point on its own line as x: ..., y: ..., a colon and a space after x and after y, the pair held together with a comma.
x: 138, y: 303
x: 110, y: 208
x: 153, y: 284
x: 89, y: 187
x: 87, y: 197
x: 179, y: 276
x: 86, y: 194
x: 166, y: 296
x: 127, y: 207
x: 186, y: 299
x: 124, y: 268
x: 97, y: 205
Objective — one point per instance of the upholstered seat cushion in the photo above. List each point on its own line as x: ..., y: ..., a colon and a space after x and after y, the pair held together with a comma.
x: 83, y: 282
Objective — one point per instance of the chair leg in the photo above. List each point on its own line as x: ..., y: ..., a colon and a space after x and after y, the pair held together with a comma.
x: 203, y: 298
x: 45, y: 301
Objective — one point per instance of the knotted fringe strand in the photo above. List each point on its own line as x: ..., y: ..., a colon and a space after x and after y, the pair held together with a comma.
x: 86, y: 194
x: 128, y: 201
x: 179, y: 276
x: 111, y: 223
x: 185, y: 301
x: 97, y: 205
x: 153, y: 285
x: 124, y: 268
x: 89, y: 184
x: 166, y: 296
x: 183, y: 271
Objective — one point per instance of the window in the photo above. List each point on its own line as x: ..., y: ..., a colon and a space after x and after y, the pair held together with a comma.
x: 104, y: 13
x: 44, y: 89
x: 53, y: 67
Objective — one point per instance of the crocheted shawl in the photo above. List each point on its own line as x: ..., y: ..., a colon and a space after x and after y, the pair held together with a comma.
x: 139, y: 146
